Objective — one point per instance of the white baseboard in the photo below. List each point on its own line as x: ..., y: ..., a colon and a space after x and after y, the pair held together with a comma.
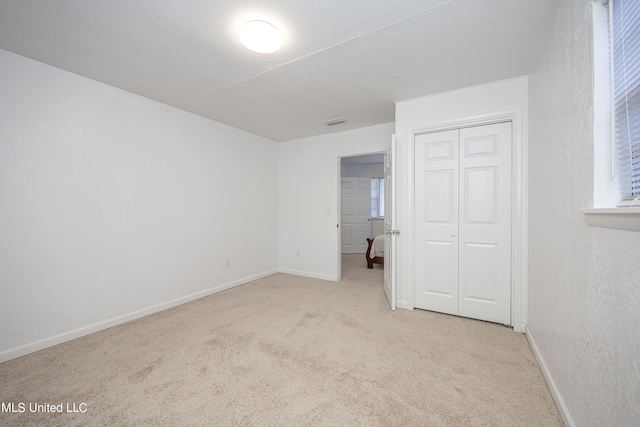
x: 562, y: 407
x: 307, y: 274
x: 96, y: 327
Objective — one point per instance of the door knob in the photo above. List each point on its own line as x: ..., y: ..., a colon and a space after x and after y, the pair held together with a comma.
x: 453, y: 234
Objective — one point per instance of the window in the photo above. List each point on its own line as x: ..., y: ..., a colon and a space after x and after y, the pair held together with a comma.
x: 624, y: 18
x: 377, y: 197
x: 616, y: 198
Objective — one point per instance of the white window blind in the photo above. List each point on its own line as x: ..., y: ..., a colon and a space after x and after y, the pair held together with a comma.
x: 625, y: 36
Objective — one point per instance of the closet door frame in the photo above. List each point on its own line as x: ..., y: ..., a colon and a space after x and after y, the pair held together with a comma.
x: 518, y: 201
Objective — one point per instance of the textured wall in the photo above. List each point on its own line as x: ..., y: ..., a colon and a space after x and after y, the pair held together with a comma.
x: 113, y: 205
x: 584, y: 283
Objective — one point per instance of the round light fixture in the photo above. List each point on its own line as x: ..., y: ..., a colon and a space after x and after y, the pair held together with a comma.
x: 261, y: 37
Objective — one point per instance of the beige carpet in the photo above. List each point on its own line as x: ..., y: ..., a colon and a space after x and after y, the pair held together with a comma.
x: 287, y: 351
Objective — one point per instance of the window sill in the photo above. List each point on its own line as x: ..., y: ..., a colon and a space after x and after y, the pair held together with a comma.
x: 617, y: 218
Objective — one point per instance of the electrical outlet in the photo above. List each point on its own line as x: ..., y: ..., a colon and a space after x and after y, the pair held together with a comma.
x: 227, y: 262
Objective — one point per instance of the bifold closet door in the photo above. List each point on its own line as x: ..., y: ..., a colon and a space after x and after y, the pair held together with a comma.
x: 436, y: 221
x: 463, y: 222
x: 485, y: 223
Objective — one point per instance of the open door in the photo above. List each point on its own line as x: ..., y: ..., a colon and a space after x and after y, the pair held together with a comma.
x: 390, y: 232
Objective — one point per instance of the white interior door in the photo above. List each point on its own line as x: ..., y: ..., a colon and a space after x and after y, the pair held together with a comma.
x: 389, y: 223
x: 355, y: 215
x: 485, y: 223
x: 436, y: 221
x: 463, y: 222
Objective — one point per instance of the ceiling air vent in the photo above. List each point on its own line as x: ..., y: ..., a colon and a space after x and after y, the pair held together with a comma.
x: 334, y: 122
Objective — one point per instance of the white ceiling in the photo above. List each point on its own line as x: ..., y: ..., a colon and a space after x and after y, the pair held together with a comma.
x: 341, y: 58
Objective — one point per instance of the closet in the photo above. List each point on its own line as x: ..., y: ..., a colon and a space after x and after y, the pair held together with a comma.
x: 462, y: 224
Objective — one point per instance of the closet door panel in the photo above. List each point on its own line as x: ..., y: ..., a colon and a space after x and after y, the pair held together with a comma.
x: 440, y: 270
x: 481, y: 271
x: 436, y: 221
x: 438, y: 197
x: 481, y: 195
x: 485, y: 223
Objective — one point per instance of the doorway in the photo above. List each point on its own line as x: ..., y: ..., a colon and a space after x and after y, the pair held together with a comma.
x: 359, y: 190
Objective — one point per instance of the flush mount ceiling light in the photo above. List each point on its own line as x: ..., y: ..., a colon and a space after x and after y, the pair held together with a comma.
x: 261, y: 37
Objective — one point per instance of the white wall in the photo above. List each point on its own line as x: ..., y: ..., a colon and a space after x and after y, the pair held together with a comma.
x: 308, y: 184
x: 114, y: 206
x: 478, y: 103
x: 584, y: 282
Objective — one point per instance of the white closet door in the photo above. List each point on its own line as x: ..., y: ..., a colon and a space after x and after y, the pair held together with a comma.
x: 463, y: 222
x: 436, y: 221
x: 485, y: 223
x: 355, y: 215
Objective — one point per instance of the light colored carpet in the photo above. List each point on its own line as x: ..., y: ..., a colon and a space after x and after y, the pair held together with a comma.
x: 288, y: 351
